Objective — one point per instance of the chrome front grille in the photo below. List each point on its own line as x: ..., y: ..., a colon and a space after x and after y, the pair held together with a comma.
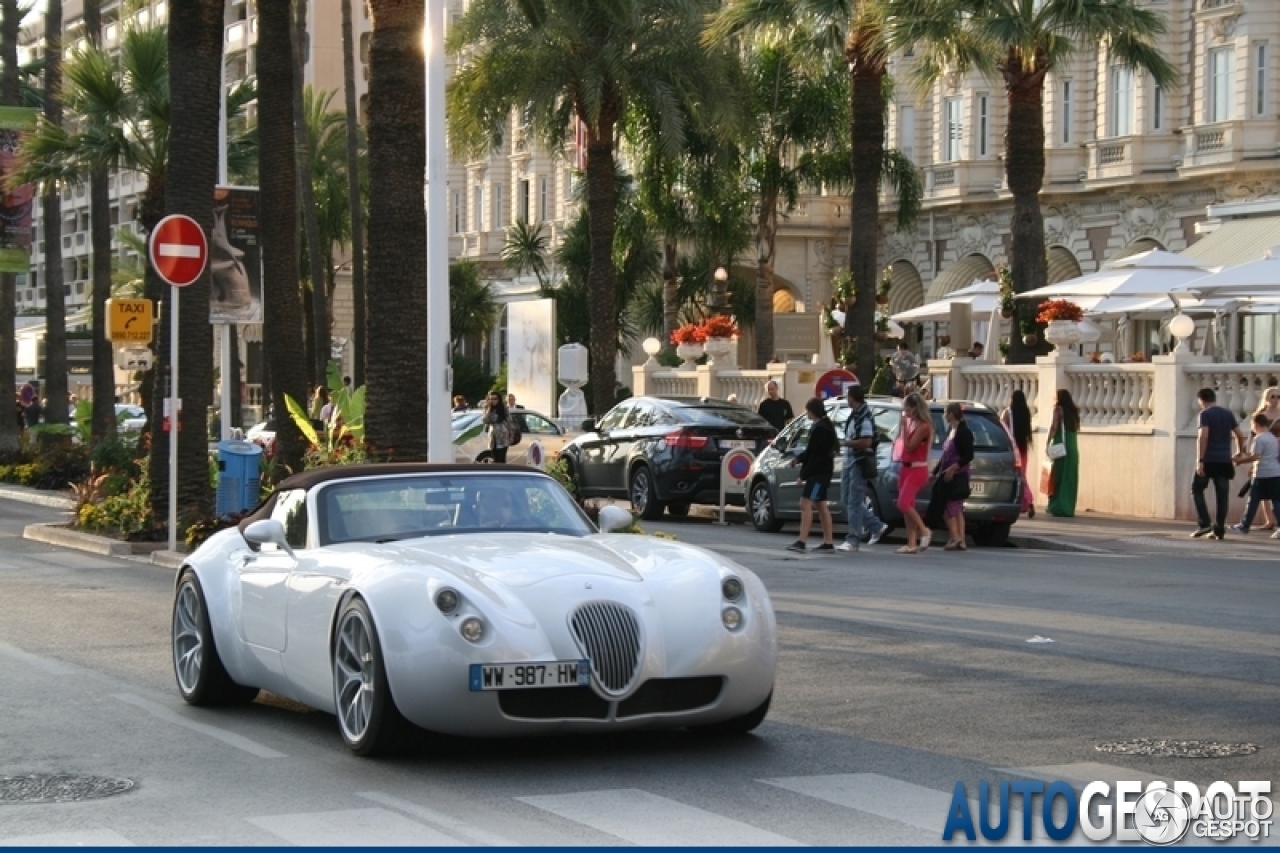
x: 609, y: 635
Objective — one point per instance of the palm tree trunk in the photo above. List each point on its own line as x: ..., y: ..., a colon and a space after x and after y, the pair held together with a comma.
x: 602, y: 202
x: 307, y: 200
x: 9, y: 95
x: 104, y: 377
x: 670, y: 289
x: 55, y: 313
x: 284, y: 373
x: 396, y: 369
x: 866, y: 77
x: 196, y: 36
x: 766, y: 244
x: 1024, y: 169
x: 353, y: 193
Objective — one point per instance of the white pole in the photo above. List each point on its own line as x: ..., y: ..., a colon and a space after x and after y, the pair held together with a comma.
x: 230, y: 385
x: 439, y: 348
x: 174, y: 402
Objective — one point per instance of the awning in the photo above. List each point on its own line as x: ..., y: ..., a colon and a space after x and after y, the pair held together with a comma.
x: 1236, y: 241
x: 961, y: 273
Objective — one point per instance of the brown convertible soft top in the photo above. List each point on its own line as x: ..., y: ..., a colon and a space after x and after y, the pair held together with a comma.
x: 315, y: 476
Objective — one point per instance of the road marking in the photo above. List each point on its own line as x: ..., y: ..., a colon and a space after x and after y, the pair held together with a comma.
x: 1082, y: 772
x: 52, y: 667
x: 169, y: 716
x: 87, y: 838
x: 648, y: 820
x: 444, y: 821
x: 177, y: 250
x: 352, y: 828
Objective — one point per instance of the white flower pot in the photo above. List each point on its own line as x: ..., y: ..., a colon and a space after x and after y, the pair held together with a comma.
x: 690, y: 353
x: 723, y: 351
x: 1063, y: 333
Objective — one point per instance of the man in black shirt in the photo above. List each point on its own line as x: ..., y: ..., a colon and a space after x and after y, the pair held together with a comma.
x: 774, y: 409
x: 817, y: 464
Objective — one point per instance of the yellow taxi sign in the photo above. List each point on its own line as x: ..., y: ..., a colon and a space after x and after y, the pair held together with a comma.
x: 129, y: 321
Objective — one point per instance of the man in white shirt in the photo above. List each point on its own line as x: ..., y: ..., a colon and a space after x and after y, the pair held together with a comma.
x: 1264, y: 453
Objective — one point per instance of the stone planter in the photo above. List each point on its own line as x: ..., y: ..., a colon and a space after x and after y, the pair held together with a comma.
x: 722, y: 351
x: 1063, y: 333
x: 690, y: 353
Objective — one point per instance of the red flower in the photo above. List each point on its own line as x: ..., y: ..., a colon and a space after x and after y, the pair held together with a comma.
x: 720, y: 326
x: 688, y: 334
x: 1060, y: 309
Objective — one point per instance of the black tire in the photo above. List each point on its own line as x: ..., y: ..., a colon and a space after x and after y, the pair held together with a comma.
x: 643, y: 491
x: 760, y: 507
x: 485, y: 458
x: 368, y: 719
x: 991, y: 535
x: 748, y: 722
x: 201, y: 677
x: 679, y: 510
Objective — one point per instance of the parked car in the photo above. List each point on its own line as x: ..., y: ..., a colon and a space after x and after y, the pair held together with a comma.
x: 471, y: 443
x: 662, y: 452
x: 468, y: 600
x: 991, y: 510
x: 130, y: 418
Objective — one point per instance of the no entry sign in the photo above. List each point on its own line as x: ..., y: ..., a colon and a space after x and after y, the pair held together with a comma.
x: 178, y: 249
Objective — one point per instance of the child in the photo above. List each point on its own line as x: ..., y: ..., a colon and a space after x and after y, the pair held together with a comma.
x: 1264, y: 453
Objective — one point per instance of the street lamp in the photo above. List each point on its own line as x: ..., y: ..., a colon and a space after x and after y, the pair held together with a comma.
x: 651, y: 346
x: 719, y: 290
x: 1181, y: 327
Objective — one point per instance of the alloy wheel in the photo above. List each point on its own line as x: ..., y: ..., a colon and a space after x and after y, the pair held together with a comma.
x: 188, y: 638
x: 353, y: 666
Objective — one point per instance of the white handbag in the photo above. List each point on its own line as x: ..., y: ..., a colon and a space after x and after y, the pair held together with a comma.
x: 1057, y: 449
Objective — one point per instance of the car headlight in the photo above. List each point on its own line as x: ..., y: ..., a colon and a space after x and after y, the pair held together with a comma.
x: 447, y: 600
x: 731, y: 617
x: 731, y: 588
x: 471, y: 629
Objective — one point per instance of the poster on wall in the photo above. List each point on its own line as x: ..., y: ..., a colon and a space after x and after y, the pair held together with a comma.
x: 531, y: 374
x: 235, y: 257
x: 16, y: 202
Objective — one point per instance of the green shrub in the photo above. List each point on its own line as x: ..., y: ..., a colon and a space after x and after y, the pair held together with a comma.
x: 559, y: 469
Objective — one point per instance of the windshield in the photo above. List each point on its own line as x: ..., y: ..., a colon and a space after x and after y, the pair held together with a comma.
x: 988, y: 433
x: 386, y: 509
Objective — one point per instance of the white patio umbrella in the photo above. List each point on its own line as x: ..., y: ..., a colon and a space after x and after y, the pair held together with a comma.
x: 1260, y: 279
x: 1148, y: 274
x: 981, y: 296
x: 991, y: 349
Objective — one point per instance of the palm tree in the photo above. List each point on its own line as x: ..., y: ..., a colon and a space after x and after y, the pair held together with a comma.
x: 9, y: 95
x: 1021, y: 43
x: 307, y: 201
x: 281, y: 297
x: 582, y: 63
x: 396, y: 369
x: 353, y: 192
x: 472, y: 309
x: 853, y: 31
x: 55, y: 299
x: 104, y: 379
x: 195, y: 41
x: 524, y: 249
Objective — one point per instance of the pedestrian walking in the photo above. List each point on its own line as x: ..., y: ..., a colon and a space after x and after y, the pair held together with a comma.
x: 1017, y: 422
x: 1065, y: 476
x: 773, y: 408
x: 497, y: 423
x: 911, y: 449
x: 858, y: 471
x: 817, y: 465
x: 1264, y: 453
x: 1269, y: 405
x: 1214, y: 463
x: 952, y: 472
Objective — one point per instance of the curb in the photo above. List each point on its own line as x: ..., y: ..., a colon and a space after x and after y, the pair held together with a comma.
x: 56, y: 533
x: 34, y: 496
x: 1039, y: 543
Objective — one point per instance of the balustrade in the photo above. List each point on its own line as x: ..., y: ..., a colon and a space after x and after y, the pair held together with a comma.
x: 672, y: 383
x: 992, y: 385
x: 1238, y: 388
x: 1113, y: 394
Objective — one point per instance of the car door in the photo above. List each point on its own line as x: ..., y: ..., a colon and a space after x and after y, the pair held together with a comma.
x: 796, y: 436
x: 595, y: 448
x: 264, y: 576
x: 540, y: 429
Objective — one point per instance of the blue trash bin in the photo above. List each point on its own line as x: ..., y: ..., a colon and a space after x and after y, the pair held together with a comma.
x: 239, y: 475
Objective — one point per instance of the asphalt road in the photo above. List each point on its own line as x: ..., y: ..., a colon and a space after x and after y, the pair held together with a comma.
x: 898, y: 677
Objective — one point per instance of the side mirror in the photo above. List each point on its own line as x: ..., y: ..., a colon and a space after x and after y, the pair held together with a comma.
x: 589, y: 425
x: 268, y: 531
x: 613, y: 518
x: 780, y: 443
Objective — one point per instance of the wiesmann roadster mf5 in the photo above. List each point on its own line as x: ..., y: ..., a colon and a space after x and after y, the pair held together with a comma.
x: 473, y: 600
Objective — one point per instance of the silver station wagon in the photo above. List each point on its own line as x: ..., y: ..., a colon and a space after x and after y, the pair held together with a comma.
x: 773, y: 497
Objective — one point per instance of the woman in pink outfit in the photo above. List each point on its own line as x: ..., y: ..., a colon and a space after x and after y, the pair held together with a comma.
x: 1017, y: 422
x: 914, y: 439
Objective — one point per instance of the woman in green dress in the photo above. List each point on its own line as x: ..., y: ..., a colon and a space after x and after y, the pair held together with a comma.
x: 1066, y: 470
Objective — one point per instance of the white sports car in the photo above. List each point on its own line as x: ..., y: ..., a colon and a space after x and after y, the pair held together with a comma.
x: 468, y: 600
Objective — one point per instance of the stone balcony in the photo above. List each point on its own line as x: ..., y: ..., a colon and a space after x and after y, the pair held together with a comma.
x: 1123, y: 158
x: 961, y: 179
x: 1228, y: 143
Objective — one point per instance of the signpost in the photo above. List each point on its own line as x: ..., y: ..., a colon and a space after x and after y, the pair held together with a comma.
x: 179, y: 251
x: 129, y: 321
x: 832, y: 383
x: 734, y: 468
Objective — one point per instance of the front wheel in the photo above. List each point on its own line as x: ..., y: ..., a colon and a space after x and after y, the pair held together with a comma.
x: 367, y: 715
x: 763, y: 514
x: 644, y: 494
x: 201, y: 677
x: 485, y: 458
x: 991, y: 535
x: 748, y: 722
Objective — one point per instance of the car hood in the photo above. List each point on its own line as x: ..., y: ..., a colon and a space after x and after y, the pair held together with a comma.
x: 527, y: 559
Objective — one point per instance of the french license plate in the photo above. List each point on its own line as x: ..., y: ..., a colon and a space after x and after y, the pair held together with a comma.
x: 737, y: 444
x: 977, y: 488
x: 528, y: 674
